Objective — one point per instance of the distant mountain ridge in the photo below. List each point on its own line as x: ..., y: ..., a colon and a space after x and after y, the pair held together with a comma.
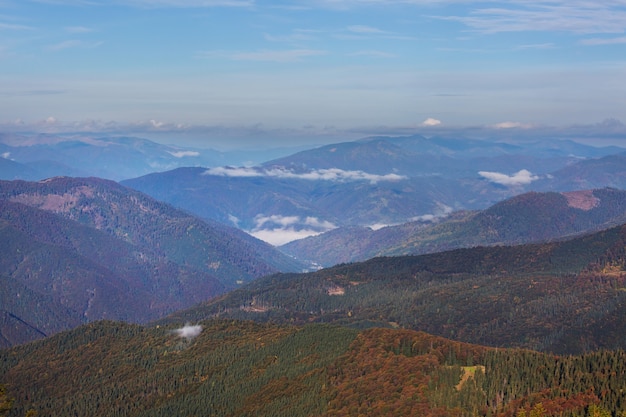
x: 452, y: 157
x: 529, y: 217
x: 94, y: 249
x: 39, y: 156
x: 381, y: 181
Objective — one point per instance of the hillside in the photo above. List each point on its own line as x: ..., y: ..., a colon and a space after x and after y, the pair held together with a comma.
x: 529, y: 217
x: 565, y: 297
x: 608, y: 171
x: 236, y: 368
x: 88, y: 249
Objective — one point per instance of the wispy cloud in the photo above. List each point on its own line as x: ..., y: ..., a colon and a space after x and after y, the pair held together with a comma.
x: 281, y: 236
x: 73, y: 43
x: 297, y: 36
x: 31, y: 93
x: 511, y: 125
x: 366, y: 30
x: 547, y: 45
x: 373, y: 54
x: 278, y: 230
x: 182, y: 154
x: 523, y: 177
x: 578, y: 16
x: 331, y: 174
x: 188, y: 331
x: 279, y: 56
x: 11, y: 26
x: 78, y: 29
x: 604, y: 41
x: 154, y: 3
x: 292, y: 55
x: 187, y: 3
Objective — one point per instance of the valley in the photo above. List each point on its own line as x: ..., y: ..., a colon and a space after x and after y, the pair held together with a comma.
x: 408, y: 276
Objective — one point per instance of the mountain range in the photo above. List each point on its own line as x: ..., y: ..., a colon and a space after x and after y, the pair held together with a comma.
x: 85, y: 249
x: 526, y: 218
x: 380, y: 182
x: 150, y: 298
x: 564, y: 296
x: 39, y: 156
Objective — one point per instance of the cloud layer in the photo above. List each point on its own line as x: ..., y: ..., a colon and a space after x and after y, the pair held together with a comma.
x: 330, y: 174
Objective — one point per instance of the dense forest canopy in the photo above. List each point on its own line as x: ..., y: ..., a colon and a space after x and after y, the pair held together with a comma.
x: 237, y: 368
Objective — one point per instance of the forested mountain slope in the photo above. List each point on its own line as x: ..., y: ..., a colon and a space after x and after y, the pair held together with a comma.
x: 162, y: 230
x: 77, y: 250
x: 234, y: 368
x: 565, y: 297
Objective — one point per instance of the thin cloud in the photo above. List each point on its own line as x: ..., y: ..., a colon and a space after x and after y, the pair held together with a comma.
x: 561, y: 16
x: 366, y: 30
x: 278, y: 237
x: 152, y: 4
x: 187, y: 3
x: 182, y: 154
x: 604, y: 41
x: 374, y: 54
x: 523, y: 177
x: 10, y: 26
x: 69, y: 44
x: 295, y: 37
x: 279, y: 56
x: 292, y: 55
x: 278, y: 230
x: 547, y: 45
x: 330, y: 174
x: 511, y: 125
x: 78, y: 29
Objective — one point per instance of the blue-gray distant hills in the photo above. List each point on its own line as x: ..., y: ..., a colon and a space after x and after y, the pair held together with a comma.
x: 380, y: 182
x: 39, y: 156
x: 530, y: 217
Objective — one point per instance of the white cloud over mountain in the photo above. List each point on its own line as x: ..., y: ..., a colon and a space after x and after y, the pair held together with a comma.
x: 182, y: 154
x: 330, y: 174
x: 278, y: 230
x: 188, y: 331
x: 522, y: 177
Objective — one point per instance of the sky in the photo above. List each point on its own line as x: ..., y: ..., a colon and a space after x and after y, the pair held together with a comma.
x: 249, y: 72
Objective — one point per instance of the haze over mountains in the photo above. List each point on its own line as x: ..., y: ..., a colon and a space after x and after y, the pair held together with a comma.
x: 36, y: 157
x: 512, y: 245
x: 379, y: 182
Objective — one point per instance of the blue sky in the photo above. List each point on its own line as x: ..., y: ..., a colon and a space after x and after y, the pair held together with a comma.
x: 215, y: 69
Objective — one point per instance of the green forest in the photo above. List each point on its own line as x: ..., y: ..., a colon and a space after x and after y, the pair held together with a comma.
x: 242, y: 368
x: 561, y: 297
